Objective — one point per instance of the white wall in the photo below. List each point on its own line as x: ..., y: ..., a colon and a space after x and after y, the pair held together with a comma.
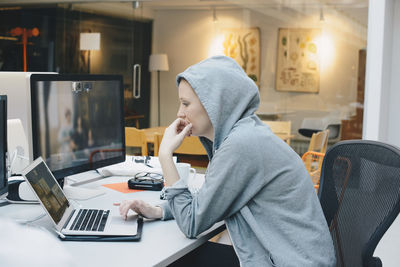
x: 186, y: 37
x: 394, y: 107
x: 382, y: 108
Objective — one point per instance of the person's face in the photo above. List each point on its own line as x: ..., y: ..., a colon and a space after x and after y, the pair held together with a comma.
x: 68, y: 118
x: 192, y: 111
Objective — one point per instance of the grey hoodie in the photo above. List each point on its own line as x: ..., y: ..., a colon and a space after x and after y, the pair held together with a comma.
x: 254, y: 181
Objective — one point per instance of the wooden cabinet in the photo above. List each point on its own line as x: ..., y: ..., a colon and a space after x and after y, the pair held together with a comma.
x: 352, y: 128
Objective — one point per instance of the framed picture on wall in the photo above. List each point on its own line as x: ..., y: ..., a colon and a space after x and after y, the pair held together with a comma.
x: 243, y: 45
x: 298, y: 65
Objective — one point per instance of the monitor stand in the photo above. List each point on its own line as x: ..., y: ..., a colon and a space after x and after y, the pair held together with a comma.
x: 73, y: 191
x: 19, y: 191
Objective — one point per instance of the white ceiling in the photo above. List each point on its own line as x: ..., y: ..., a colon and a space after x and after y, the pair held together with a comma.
x: 356, y: 10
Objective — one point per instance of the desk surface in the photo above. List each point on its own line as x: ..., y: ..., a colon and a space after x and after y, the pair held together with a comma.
x: 162, y: 241
x: 161, y: 244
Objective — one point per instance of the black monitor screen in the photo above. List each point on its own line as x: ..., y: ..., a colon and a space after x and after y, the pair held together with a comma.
x: 3, y: 145
x: 77, y: 121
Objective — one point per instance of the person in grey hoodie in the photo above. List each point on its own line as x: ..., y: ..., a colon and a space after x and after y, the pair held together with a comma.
x: 254, y: 181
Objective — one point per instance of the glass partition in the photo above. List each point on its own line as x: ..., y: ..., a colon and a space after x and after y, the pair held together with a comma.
x: 307, y: 57
x: 77, y: 39
x: 310, y: 65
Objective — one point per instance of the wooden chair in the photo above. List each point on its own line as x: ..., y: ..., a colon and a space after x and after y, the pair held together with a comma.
x: 313, y: 162
x: 192, y: 146
x: 281, y: 128
x: 191, y: 150
x: 136, y: 138
x: 319, y: 141
x: 157, y: 141
x: 314, y: 157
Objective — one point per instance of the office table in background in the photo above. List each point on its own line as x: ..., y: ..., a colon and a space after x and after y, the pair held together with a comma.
x: 135, y: 118
x: 162, y: 241
x: 273, y: 115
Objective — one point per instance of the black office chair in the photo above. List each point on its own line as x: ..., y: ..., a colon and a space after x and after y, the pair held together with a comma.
x: 360, y: 196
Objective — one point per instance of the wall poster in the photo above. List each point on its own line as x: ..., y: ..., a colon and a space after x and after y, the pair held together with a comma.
x: 243, y: 45
x: 298, y: 67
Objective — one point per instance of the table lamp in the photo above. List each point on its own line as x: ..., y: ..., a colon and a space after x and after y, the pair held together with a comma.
x: 158, y: 62
x: 89, y: 41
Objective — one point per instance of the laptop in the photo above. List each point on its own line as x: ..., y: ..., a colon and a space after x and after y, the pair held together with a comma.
x: 68, y: 220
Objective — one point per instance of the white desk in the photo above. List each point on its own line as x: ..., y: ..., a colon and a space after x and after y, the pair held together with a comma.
x: 161, y: 244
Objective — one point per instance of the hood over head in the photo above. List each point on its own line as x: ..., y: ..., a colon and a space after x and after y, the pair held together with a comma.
x: 226, y: 92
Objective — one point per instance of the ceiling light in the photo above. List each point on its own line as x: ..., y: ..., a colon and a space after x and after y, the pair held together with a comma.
x: 215, y: 19
x: 136, y: 4
x: 321, y: 15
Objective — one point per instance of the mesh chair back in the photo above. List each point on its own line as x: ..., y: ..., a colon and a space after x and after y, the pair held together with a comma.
x: 359, y: 194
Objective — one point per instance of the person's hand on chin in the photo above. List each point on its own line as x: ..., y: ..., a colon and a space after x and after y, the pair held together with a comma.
x: 174, y: 135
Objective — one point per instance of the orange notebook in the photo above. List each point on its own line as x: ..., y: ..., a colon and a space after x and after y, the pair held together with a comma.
x: 121, y: 187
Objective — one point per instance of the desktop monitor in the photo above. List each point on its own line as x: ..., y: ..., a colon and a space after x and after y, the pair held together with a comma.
x: 77, y: 121
x: 3, y: 147
x: 18, y: 148
x: 18, y: 90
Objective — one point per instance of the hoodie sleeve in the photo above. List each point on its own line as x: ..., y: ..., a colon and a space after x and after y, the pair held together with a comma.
x: 229, y: 185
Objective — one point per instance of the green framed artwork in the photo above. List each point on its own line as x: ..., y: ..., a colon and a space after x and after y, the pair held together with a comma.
x: 298, y: 65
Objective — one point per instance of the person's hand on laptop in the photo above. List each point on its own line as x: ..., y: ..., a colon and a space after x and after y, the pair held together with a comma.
x: 140, y: 207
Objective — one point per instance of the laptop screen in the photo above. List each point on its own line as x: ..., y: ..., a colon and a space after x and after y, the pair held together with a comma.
x: 48, y: 190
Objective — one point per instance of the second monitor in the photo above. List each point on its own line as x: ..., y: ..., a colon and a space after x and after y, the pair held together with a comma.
x: 77, y: 121
x: 3, y: 147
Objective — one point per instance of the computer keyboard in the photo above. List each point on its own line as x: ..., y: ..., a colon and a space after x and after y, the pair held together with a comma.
x: 90, y: 220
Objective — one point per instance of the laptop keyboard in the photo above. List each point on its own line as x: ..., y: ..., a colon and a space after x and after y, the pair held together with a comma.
x: 90, y: 220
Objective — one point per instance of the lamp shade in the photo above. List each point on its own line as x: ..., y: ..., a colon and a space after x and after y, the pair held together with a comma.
x: 158, y: 62
x: 89, y: 41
